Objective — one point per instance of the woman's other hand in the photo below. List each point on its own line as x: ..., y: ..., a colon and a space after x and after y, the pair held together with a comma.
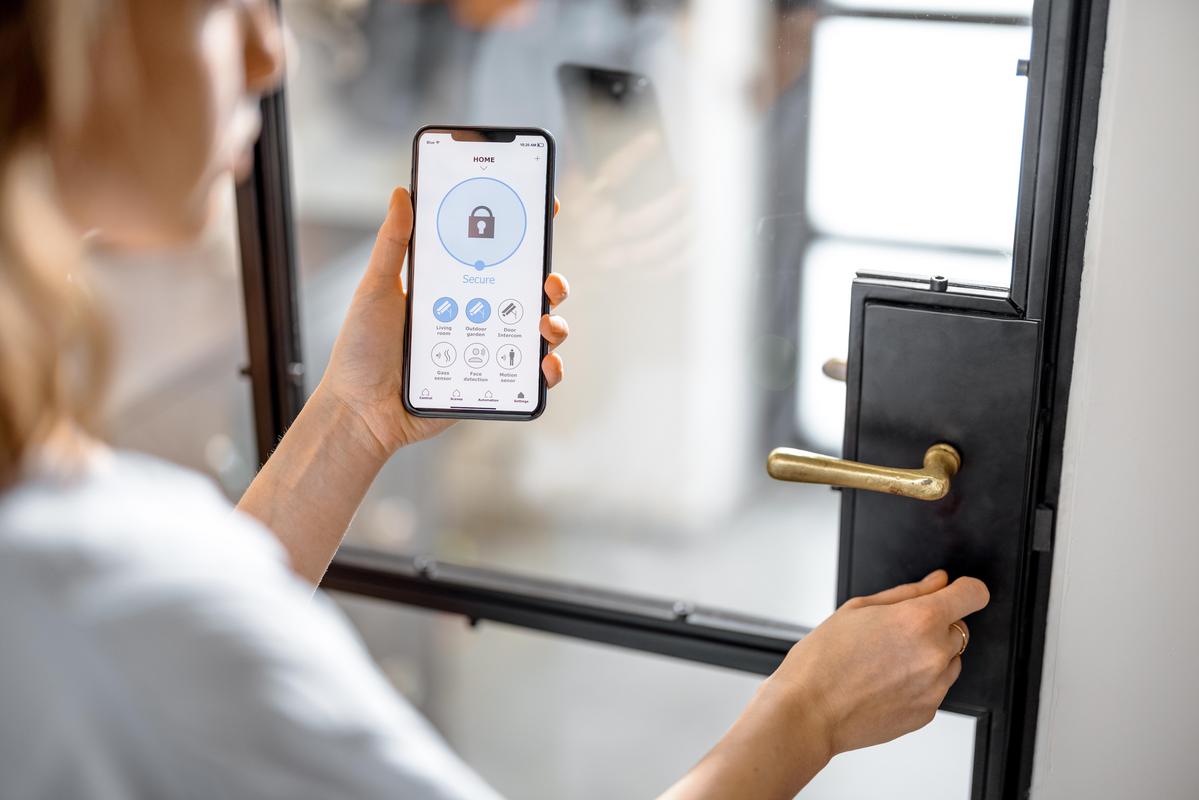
x: 876, y: 669
x: 880, y: 666
x: 365, y: 372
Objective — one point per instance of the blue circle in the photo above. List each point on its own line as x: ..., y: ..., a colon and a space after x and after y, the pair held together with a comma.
x: 455, y: 213
x: 478, y: 310
x: 445, y: 309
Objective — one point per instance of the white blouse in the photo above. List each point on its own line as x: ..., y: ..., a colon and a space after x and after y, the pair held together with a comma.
x: 155, y: 644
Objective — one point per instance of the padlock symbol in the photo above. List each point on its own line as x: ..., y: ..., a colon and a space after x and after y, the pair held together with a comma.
x: 479, y: 226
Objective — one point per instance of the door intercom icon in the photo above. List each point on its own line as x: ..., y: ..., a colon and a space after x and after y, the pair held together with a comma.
x: 481, y: 226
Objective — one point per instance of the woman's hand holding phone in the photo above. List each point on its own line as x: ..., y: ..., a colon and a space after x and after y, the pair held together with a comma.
x: 365, y: 372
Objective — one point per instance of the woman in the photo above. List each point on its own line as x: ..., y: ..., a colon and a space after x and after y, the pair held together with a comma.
x: 157, y: 644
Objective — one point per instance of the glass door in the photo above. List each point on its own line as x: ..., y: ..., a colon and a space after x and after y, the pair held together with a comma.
x: 719, y: 197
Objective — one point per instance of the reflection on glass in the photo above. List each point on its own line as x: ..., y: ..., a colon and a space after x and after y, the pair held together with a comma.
x: 185, y: 402
x: 711, y: 224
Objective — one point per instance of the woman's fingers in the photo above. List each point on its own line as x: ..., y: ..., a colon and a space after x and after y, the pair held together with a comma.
x: 554, y: 330
x: 949, y: 677
x: 960, y: 599
x: 552, y: 366
x: 552, y: 327
x: 929, y: 583
x: 557, y: 289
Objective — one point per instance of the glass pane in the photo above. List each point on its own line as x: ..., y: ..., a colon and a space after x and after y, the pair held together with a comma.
x: 704, y: 302
x: 187, y: 403
x: 541, y: 716
x: 916, y: 132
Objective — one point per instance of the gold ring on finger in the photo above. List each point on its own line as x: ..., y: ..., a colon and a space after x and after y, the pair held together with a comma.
x: 965, y: 636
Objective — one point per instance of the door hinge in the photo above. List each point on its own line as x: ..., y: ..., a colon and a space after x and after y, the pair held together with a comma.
x: 1042, y: 529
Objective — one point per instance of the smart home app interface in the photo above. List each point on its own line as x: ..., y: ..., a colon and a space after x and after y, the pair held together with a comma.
x: 478, y: 273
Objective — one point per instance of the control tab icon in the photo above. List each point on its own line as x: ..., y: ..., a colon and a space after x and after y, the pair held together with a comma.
x: 481, y: 226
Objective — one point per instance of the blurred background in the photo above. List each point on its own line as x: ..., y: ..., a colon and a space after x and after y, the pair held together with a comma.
x: 718, y: 196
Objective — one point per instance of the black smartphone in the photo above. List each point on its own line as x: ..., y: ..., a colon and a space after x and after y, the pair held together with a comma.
x: 615, y: 129
x: 477, y: 264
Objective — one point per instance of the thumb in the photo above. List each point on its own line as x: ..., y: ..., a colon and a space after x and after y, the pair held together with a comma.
x: 391, y: 243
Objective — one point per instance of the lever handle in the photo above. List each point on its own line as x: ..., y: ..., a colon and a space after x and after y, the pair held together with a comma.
x: 941, y: 463
x: 835, y: 368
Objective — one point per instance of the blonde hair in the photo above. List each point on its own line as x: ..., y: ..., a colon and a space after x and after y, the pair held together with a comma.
x: 53, y: 346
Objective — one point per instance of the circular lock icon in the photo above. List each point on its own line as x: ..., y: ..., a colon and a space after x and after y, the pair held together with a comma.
x: 481, y: 222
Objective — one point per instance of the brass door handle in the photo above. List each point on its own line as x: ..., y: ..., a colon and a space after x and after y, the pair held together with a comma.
x: 941, y: 463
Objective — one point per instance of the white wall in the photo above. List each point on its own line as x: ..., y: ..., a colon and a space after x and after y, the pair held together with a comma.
x: 1120, y: 705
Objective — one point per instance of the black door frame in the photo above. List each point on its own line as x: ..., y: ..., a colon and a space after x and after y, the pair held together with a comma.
x: 1061, y: 118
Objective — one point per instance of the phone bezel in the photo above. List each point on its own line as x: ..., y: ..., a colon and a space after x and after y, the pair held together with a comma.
x: 542, y: 389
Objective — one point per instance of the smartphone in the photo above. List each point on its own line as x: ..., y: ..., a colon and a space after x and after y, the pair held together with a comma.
x: 614, y: 116
x: 477, y: 264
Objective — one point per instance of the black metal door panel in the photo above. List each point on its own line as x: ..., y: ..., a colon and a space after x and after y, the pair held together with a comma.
x: 927, y: 375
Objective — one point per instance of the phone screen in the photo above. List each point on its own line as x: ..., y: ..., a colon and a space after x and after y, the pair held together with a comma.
x: 480, y: 255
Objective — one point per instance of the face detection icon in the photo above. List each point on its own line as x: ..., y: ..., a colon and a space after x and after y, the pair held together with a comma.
x: 477, y: 355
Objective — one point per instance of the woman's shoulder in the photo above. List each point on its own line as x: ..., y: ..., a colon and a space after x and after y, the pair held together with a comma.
x: 124, y: 511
